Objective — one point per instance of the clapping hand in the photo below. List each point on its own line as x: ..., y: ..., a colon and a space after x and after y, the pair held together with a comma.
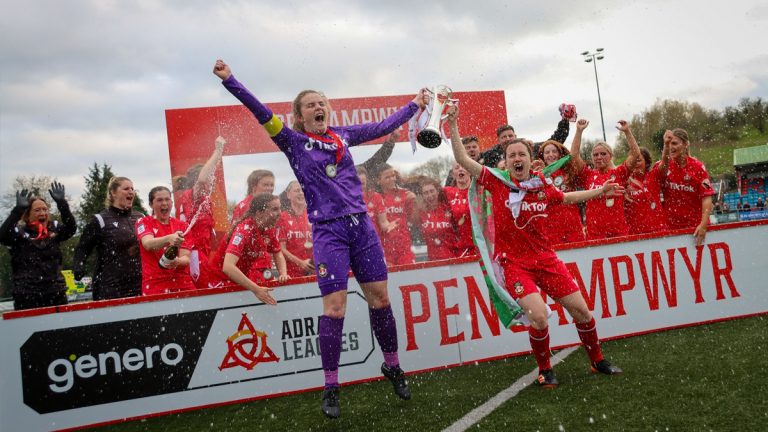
x: 57, y: 191
x: 23, y: 198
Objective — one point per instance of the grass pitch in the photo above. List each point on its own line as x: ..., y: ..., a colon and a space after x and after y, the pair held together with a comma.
x: 706, y: 378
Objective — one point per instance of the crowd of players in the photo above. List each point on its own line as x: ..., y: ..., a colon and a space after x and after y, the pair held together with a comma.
x: 271, y: 238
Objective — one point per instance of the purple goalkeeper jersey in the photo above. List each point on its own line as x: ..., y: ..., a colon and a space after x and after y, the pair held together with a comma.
x: 332, y: 190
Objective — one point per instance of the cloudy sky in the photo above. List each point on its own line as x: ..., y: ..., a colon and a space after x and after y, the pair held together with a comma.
x: 88, y: 81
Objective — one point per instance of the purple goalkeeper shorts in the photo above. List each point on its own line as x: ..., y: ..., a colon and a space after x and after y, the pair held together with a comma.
x: 341, y: 243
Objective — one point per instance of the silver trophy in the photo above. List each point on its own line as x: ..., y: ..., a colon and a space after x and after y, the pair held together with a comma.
x: 431, y: 135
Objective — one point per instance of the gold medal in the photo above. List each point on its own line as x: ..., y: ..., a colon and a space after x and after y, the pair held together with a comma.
x: 609, y: 202
x: 330, y: 170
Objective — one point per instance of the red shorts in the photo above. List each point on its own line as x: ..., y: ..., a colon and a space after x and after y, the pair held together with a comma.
x: 550, y: 274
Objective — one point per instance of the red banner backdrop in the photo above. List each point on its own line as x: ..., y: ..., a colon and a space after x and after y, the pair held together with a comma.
x: 192, y: 131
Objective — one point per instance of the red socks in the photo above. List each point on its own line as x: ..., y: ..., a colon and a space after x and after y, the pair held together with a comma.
x: 588, y: 335
x: 540, y: 344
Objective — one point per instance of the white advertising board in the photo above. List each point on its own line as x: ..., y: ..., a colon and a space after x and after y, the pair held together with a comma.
x: 136, y: 358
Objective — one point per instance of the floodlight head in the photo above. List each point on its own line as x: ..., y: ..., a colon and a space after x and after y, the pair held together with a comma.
x: 588, y: 60
x: 600, y: 50
x: 585, y: 53
x: 600, y: 57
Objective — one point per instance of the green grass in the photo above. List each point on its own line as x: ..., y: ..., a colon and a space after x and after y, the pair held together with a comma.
x: 718, y: 155
x: 710, y: 377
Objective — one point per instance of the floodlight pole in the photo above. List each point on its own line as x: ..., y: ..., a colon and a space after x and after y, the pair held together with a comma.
x: 593, y: 58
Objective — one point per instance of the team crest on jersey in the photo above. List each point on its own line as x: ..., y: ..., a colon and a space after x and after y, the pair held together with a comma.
x: 322, y: 270
x: 541, y: 196
x: 518, y: 288
x: 397, y: 199
x: 266, y: 239
x: 267, y: 274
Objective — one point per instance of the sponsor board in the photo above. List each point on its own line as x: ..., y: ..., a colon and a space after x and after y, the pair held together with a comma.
x: 134, y: 359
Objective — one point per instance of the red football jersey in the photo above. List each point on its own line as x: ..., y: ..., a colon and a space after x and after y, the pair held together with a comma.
x: 439, y: 233
x: 565, y: 224
x: 375, y: 205
x: 460, y: 209
x: 397, y: 243
x: 642, y: 203
x: 296, y: 232
x: 605, y: 215
x: 155, y: 279
x: 241, y: 208
x: 253, y: 248
x: 684, y: 188
x: 522, y: 238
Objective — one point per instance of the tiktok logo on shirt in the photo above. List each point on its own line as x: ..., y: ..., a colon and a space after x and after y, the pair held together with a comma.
x: 533, y: 207
x: 680, y: 187
x: 398, y: 210
x: 438, y: 225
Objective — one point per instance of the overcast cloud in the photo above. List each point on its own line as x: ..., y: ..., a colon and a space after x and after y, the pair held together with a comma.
x: 88, y: 81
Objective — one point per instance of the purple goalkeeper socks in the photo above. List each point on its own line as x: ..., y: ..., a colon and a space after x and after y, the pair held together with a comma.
x: 385, y: 329
x: 330, y: 348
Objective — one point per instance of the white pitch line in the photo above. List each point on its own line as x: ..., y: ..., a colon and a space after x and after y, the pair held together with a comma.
x: 483, y: 410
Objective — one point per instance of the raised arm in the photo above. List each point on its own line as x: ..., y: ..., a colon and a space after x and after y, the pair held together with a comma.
x: 359, y: 134
x: 7, y: 236
x: 459, y: 152
x: 204, y: 182
x: 664, y: 165
x: 576, y: 145
x: 372, y: 165
x: 634, y: 149
x: 67, y: 219
x: 263, y: 114
x: 562, y: 131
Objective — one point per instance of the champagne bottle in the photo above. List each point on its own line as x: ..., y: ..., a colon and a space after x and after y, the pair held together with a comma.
x: 170, y: 254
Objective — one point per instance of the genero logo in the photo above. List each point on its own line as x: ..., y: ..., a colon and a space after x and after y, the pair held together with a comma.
x: 247, y: 347
x: 103, y: 363
x: 62, y: 372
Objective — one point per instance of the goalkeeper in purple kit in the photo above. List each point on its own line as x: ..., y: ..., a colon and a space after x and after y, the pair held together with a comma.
x: 342, y: 233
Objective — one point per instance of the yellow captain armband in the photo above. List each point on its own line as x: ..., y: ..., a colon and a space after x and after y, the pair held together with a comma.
x: 273, y: 126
